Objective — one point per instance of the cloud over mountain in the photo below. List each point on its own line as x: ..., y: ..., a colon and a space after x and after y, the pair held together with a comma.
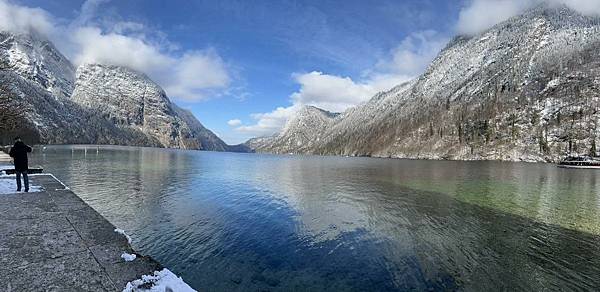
x: 480, y: 15
x: 21, y: 19
x: 338, y: 93
x: 185, y: 74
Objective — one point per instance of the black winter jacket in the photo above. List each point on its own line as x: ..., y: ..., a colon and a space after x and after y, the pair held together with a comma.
x: 19, y: 153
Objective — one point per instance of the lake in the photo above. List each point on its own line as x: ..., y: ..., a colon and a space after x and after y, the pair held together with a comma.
x: 250, y: 222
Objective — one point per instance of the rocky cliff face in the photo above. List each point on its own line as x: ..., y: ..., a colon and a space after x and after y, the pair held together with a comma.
x: 37, y: 60
x: 527, y: 89
x: 96, y: 104
x: 300, y: 134
x: 49, y: 119
x: 40, y: 80
x: 130, y: 100
x: 203, y: 137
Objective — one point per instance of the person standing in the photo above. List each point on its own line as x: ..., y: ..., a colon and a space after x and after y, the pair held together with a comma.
x: 19, y: 154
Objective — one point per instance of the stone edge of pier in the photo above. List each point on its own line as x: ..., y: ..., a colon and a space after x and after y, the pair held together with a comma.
x: 53, y: 240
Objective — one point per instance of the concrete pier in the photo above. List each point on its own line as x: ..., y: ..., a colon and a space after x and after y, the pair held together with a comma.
x: 53, y: 241
x: 5, y: 159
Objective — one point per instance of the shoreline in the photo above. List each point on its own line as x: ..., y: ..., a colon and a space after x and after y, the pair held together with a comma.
x: 50, y: 237
x: 396, y: 157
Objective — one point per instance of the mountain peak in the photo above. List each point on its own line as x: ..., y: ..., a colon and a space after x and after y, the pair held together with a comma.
x: 125, y: 74
x: 311, y: 109
x: 308, y: 116
x: 132, y: 100
x: 97, y: 103
x: 502, y: 94
x: 37, y: 59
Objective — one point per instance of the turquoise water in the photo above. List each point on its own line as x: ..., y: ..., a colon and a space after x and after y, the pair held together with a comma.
x: 249, y: 222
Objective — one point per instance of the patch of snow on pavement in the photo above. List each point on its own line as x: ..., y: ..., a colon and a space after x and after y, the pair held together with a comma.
x: 160, y: 281
x: 121, y: 231
x: 128, y: 257
x: 8, y: 185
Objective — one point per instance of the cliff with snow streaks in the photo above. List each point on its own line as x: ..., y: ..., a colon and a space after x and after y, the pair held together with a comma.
x: 527, y: 89
x: 300, y: 134
x: 93, y: 104
x: 37, y: 60
x: 132, y: 101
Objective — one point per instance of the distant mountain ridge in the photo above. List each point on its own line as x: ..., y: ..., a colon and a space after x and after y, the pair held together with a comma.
x: 527, y: 89
x: 300, y: 133
x: 95, y: 103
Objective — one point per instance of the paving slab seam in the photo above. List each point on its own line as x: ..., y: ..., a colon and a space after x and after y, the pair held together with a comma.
x: 93, y: 255
x: 60, y: 241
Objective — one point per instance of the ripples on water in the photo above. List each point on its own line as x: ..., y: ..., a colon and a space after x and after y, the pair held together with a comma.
x: 249, y: 222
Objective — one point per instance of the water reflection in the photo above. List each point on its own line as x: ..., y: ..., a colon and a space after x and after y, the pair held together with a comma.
x: 240, y: 222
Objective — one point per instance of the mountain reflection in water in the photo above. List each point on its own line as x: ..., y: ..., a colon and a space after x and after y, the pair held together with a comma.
x: 248, y: 222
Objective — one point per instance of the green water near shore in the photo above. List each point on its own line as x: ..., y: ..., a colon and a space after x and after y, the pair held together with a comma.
x: 573, y: 204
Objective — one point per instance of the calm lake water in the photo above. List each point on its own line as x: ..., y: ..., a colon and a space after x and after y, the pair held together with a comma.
x: 249, y: 222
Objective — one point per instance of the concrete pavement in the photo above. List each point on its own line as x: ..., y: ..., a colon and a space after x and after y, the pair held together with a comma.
x: 53, y: 241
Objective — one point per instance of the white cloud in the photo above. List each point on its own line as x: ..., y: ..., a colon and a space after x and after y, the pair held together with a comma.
x: 22, y: 19
x: 117, y: 49
x: 88, y: 12
x: 190, y: 75
x: 330, y: 92
x: 480, y: 15
x: 234, y: 122
x: 585, y: 7
x: 483, y: 14
x: 338, y: 93
x: 197, y: 73
x: 414, y: 53
x: 268, y: 123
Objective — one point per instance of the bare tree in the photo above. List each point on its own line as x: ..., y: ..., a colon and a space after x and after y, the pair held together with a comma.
x: 10, y: 114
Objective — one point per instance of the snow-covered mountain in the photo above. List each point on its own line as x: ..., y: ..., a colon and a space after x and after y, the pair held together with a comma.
x: 301, y: 133
x: 526, y: 89
x: 94, y: 104
x: 132, y: 101
x: 37, y: 60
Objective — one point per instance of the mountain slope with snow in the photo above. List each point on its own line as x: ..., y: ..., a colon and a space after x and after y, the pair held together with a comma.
x: 132, y: 101
x: 95, y: 104
x: 526, y: 89
x: 301, y: 133
x: 53, y: 120
x: 36, y: 59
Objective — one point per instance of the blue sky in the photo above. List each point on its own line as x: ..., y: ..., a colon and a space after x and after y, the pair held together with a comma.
x: 243, y: 67
x: 266, y: 46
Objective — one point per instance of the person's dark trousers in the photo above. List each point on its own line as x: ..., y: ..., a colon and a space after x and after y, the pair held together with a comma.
x: 25, y: 180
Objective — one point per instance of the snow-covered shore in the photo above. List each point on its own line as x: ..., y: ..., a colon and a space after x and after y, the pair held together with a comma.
x: 8, y: 185
x: 159, y: 281
x: 163, y: 280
